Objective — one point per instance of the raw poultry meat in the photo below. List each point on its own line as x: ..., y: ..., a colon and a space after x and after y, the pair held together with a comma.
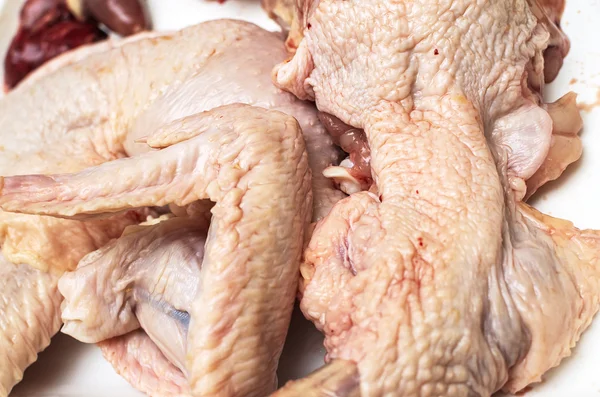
x: 98, y: 122
x: 354, y: 174
x: 550, y: 12
x: 258, y: 50
x: 164, y: 257
x: 291, y: 15
x: 227, y: 318
x: 141, y: 362
x: 30, y: 316
x: 35, y: 252
x: 48, y: 28
x: 148, y: 278
x: 439, y: 280
x: 109, y: 120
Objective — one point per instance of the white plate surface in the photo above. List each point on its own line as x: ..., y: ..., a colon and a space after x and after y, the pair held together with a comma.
x: 71, y: 369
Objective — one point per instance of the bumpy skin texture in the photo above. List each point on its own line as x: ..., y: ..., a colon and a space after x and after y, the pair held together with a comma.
x: 37, y: 250
x: 30, y: 302
x: 76, y: 105
x: 149, y: 277
x: 176, y: 75
x: 439, y: 281
x: 565, y: 144
x: 220, y: 80
x: 252, y: 163
x: 29, y: 308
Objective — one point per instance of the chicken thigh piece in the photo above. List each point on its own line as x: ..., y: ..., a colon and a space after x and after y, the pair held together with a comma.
x: 219, y: 313
x: 439, y: 281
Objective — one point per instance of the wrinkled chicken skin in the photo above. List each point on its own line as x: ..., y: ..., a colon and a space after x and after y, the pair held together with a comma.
x: 149, y: 278
x: 98, y: 121
x: 439, y: 281
x: 221, y: 81
x: 30, y: 316
x: 40, y: 250
x: 37, y: 250
x: 177, y: 75
x: 353, y: 176
x: 252, y: 163
x: 354, y: 173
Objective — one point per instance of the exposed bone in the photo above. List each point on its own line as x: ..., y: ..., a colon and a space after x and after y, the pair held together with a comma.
x: 342, y: 176
x: 353, y: 141
x: 441, y: 283
x: 77, y: 8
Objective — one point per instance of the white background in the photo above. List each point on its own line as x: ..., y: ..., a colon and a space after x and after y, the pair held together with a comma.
x: 71, y: 369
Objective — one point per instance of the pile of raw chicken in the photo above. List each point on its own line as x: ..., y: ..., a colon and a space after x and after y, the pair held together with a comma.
x: 164, y: 195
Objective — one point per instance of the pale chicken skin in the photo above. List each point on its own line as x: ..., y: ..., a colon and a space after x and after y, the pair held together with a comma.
x: 354, y: 173
x: 152, y: 271
x: 439, y: 281
x: 176, y: 75
x: 30, y: 300
x: 35, y: 252
x: 140, y: 361
x: 229, y: 315
x: 168, y: 76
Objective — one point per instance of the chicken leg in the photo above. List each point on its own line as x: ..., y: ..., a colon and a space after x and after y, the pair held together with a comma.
x: 440, y: 281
